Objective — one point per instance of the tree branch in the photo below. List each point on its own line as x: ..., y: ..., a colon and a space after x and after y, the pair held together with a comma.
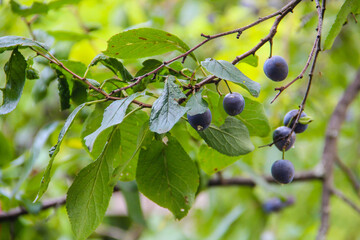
x: 280, y: 13
x: 243, y: 181
x: 330, y: 151
x: 17, y: 212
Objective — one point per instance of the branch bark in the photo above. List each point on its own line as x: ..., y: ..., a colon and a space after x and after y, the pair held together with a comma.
x: 330, y: 152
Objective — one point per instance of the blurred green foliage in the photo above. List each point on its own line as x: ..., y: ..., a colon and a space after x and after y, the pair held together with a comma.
x: 79, y: 32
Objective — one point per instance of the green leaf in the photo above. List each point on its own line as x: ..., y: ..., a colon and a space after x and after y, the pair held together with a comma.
x: 90, y: 125
x: 114, y: 65
x: 306, y: 120
x: 12, y: 42
x: 15, y: 79
x: 254, y: 118
x: 131, y: 194
x: 64, y: 91
x: 148, y: 66
x: 134, y: 133
x: 89, y: 195
x: 252, y: 60
x: 54, y: 151
x: 39, y: 141
x: 35, y: 8
x: 216, y: 107
x: 211, y: 161
x: 113, y: 115
x: 31, y: 73
x: 144, y: 42
x: 225, y: 70
x: 166, y: 111
x: 166, y: 175
x: 197, y: 104
x: 231, y: 138
x: 348, y: 7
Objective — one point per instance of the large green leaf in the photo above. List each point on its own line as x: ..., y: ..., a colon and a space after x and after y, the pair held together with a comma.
x: 114, y: 65
x: 196, y: 104
x: 134, y: 133
x: 144, y: 42
x: 89, y: 195
x: 12, y: 42
x: 113, y: 115
x: 231, y: 138
x: 211, y: 161
x: 54, y: 151
x: 348, y: 7
x: 15, y: 70
x: 254, y: 118
x: 166, y: 175
x: 166, y: 111
x: 225, y: 70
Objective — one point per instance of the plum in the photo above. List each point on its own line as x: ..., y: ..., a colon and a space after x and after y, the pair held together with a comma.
x: 200, y: 121
x: 276, y: 68
x: 283, y: 171
x: 233, y: 103
x: 291, y: 116
x: 280, y: 137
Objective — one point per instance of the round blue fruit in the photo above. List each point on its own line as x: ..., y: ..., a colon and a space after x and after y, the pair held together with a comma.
x: 283, y: 171
x: 280, y: 137
x: 200, y: 121
x: 233, y: 103
x: 276, y: 68
x: 291, y: 116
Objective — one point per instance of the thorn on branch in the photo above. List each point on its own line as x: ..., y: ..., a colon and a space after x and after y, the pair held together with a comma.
x: 238, y: 35
x: 184, y: 58
x: 205, y: 36
x: 153, y: 78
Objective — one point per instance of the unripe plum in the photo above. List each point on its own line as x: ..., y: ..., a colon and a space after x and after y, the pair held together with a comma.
x: 283, y: 171
x: 291, y: 116
x: 200, y: 121
x: 276, y: 68
x: 280, y: 137
x: 233, y: 103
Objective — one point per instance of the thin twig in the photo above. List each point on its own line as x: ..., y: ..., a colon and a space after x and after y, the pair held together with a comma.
x: 340, y: 195
x: 284, y: 11
x: 350, y: 175
x: 280, y: 13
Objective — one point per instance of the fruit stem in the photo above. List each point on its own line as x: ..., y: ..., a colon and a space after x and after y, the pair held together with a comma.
x: 228, y: 86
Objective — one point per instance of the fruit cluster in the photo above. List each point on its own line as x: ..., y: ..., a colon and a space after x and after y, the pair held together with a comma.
x: 284, y: 138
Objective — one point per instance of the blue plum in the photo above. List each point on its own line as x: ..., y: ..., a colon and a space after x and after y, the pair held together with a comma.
x: 280, y: 137
x: 276, y: 68
x: 291, y: 116
x: 234, y: 103
x: 200, y: 121
x: 283, y: 171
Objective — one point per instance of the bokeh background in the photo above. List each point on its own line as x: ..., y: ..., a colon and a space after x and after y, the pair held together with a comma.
x: 80, y: 31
